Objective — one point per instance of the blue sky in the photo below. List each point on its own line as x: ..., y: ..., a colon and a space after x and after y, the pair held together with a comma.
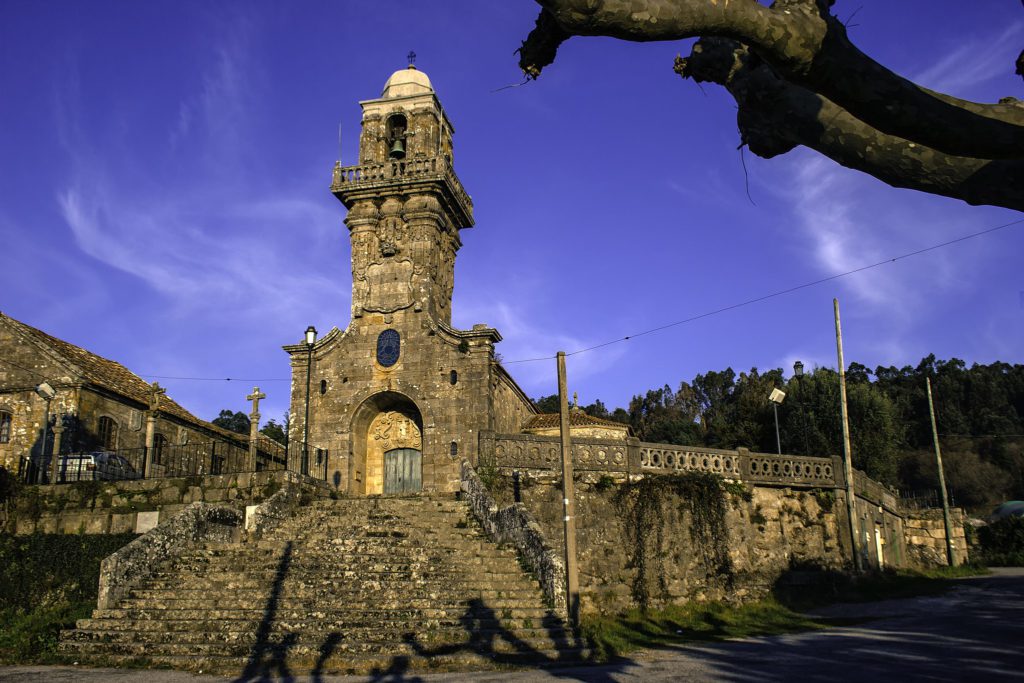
x: 165, y: 195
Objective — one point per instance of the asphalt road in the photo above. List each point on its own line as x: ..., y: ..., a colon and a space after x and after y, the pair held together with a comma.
x: 973, y: 633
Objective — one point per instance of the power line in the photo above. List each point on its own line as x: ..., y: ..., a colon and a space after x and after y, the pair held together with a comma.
x: 980, y: 436
x: 220, y: 379
x: 781, y: 292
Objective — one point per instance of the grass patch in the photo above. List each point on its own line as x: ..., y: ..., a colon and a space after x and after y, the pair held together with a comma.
x: 47, y: 581
x: 827, y: 587
x: 30, y: 636
x: 613, y: 636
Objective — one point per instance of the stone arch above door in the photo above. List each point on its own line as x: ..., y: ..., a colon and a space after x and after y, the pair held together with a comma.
x: 385, y: 422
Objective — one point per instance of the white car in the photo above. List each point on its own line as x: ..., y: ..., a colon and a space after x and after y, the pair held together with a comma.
x: 99, y: 465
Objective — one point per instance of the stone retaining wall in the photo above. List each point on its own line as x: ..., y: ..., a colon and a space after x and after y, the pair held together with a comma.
x: 196, y: 523
x: 926, y: 538
x: 124, y: 506
x: 770, y: 531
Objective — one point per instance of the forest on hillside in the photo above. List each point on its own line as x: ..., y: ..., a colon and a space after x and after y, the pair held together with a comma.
x: 979, y: 412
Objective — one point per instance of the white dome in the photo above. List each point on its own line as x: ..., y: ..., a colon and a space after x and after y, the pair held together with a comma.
x: 407, y: 82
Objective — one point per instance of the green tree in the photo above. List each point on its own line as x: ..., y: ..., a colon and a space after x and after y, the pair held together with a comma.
x: 235, y: 422
x: 275, y: 431
x: 660, y: 416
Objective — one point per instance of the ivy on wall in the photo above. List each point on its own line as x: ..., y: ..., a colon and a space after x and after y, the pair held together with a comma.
x: 643, y: 505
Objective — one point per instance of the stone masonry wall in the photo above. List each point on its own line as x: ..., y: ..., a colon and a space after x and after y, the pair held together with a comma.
x: 926, y: 538
x: 776, y: 529
x: 125, y: 506
x: 450, y: 412
x: 511, y: 409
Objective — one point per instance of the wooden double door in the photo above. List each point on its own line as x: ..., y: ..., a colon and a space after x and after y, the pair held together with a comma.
x: 403, y: 470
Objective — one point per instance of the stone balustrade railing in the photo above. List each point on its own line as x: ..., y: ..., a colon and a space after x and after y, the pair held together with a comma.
x: 425, y: 168
x: 633, y: 457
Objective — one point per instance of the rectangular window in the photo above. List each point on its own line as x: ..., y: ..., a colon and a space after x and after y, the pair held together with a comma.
x: 5, y: 426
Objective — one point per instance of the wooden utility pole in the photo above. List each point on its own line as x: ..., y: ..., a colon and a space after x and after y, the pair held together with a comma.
x: 942, y: 477
x: 851, y: 509
x: 572, y: 581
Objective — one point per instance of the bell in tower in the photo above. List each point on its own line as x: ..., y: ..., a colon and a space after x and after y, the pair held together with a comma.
x: 396, y: 136
x: 405, y: 205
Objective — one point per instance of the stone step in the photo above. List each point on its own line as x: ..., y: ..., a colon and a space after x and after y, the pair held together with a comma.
x: 397, y: 620
x: 368, y: 571
x: 328, y: 586
x: 318, y: 559
x: 327, y: 593
x: 370, y: 547
x: 316, y: 603
x: 362, y: 574
x: 311, y: 643
x: 267, y: 665
x: 435, y: 536
x: 214, y: 583
x: 291, y: 614
x: 363, y: 636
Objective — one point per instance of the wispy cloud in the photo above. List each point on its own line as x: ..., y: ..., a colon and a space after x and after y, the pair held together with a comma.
x: 832, y: 213
x: 525, y: 340
x: 973, y: 62
x: 201, y: 240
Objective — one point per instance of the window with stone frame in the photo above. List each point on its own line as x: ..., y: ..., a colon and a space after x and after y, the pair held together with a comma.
x: 159, y: 443
x: 107, y: 433
x: 5, y: 426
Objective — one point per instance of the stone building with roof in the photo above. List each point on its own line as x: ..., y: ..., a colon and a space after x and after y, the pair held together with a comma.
x: 98, y: 405
x: 580, y: 425
x: 400, y: 397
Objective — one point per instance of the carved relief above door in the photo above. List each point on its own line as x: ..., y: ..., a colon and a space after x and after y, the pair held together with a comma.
x: 389, y: 431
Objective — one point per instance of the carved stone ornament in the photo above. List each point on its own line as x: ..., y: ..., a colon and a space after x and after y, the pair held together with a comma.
x: 389, y: 285
x: 392, y: 430
x: 135, y: 420
x: 390, y: 234
x: 182, y: 436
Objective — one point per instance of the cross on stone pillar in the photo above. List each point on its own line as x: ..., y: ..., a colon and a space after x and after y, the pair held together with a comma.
x: 254, y: 424
x: 155, y: 392
x: 255, y: 397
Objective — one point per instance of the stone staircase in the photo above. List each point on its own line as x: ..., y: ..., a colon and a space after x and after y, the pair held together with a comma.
x: 373, y: 585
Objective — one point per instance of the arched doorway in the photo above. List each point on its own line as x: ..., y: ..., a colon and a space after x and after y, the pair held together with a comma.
x: 387, y: 446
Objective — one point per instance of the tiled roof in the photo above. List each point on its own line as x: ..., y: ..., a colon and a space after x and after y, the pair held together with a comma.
x: 110, y: 375
x: 577, y: 418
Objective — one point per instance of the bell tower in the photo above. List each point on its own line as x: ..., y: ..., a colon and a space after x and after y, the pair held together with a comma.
x: 405, y: 206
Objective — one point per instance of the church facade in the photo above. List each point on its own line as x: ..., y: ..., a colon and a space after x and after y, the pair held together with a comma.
x: 398, y: 399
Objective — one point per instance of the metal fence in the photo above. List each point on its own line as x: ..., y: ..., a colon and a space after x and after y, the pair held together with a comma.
x: 179, y: 460
x: 925, y: 500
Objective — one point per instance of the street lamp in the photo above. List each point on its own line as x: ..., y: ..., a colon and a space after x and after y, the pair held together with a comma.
x: 45, y: 392
x: 776, y: 397
x: 310, y: 341
x: 798, y: 372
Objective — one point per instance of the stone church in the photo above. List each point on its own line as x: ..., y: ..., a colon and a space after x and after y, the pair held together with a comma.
x: 400, y: 397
